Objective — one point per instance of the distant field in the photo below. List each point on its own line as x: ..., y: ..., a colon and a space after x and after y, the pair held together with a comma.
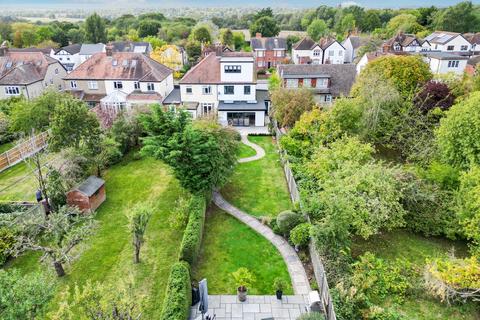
x: 46, y: 20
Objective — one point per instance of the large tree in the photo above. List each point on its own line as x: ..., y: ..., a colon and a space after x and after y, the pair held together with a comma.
x: 458, y: 136
x: 95, y: 30
x: 73, y: 125
x: 226, y: 37
x: 317, y: 29
x: 461, y: 17
x: 201, y: 153
x: 148, y: 27
x: 267, y: 26
x: 202, y: 35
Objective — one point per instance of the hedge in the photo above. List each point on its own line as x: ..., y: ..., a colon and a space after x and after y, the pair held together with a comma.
x: 178, y: 296
x: 192, y: 237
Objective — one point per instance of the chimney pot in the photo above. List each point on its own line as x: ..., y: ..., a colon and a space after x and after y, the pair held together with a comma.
x: 109, y: 50
x: 3, y: 49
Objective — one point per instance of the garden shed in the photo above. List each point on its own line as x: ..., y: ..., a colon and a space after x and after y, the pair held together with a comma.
x: 89, y: 195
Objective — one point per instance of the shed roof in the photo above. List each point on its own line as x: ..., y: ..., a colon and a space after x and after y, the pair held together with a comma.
x: 90, y: 186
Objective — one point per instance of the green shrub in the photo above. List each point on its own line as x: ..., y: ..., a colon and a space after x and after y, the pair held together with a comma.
x: 287, y: 220
x: 192, y: 237
x: 300, y: 235
x: 7, y: 241
x: 312, y: 316
x: 178, y: 296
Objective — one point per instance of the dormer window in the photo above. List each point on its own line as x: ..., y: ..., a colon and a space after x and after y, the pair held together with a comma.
x: 397, y: 47
x: 233, y: 69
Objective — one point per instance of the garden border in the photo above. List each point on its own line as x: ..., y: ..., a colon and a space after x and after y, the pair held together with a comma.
x: 318, y: 268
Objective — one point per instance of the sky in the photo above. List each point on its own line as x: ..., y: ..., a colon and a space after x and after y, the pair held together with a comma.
x: 222, y: 3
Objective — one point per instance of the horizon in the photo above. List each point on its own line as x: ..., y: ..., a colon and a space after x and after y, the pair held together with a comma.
x: 119, y: 4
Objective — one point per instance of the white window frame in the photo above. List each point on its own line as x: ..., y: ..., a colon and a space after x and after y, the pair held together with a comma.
x: 452, y: 48
x: 453, y: 63
x: 93, y: 85
x: 12, y: 91
x: 321, y: 83
x: 307, y: 83
x: 73, y: 84
x: 189, y: 90
x: 206, y: 90
x: 260, y: 53
x: 150, y: 86
x: 292, y: 83
x: 136, y: 85
x: 206, y: 108
x: 225, y: 90
x: 245, y: 89
x: 317, y: 52
x: 464, y: 48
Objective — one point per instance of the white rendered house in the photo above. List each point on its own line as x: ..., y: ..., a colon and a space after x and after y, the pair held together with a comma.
x: 326, y: 51
x: 449, y: 42
x: 224, y: 86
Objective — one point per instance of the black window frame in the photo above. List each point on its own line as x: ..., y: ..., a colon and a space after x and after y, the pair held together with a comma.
x: 229, y: 93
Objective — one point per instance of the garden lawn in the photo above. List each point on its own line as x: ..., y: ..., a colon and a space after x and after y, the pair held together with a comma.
x: 229, y: 244
x: 259, y: 187
x: 245, y: 151
x: 17, y: 183
x: 108, y: 254
x: 416, y: 249
x: 6, y: 146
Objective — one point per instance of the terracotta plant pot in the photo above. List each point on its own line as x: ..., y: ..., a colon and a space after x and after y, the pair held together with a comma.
x: 279, y: 294
x: 242, y: 294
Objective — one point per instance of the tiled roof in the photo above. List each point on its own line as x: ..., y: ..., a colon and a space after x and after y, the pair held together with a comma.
x: 207, y: 71
x: 90, y: 49
x: 23, y: 68
x: 444, y: 55
x: 45, y: 50
x: 174, y: 97
x: 120, y: 66
x: 268, y: 43
x: 473, y: 38
x: 72, y: 49
x: 342, y: 76
x: 129, y: 46
x: 403, y: 39
x: 308, y: 44
x: 358, y: 41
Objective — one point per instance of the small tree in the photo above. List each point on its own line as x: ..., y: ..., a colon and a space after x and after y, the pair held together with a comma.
x: 138, y: 220
x: 54, y: 236
x: 226, y: 37
x: 243, y: 278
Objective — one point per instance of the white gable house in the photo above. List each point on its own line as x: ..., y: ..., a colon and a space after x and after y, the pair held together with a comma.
x: 449, y: 42
x: 444, y: 62
x: 326, y: 51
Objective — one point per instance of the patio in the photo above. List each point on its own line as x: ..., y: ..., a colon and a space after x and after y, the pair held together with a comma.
x: 227, y: 307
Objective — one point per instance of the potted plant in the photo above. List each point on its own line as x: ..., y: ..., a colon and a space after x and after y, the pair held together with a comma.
x: 279, y: 285
x: 243, y: 279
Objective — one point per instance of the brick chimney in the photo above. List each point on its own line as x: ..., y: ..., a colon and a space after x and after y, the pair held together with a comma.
x: 258, y: 35
x: 4, y: 49
x: 109, y: 50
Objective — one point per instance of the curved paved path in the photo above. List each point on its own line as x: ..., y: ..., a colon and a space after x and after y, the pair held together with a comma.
x: 295, y: 267
x: 259, y: 150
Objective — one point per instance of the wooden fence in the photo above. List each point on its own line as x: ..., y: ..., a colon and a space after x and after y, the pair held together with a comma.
x: 318, y: 269
x: 23, y: 150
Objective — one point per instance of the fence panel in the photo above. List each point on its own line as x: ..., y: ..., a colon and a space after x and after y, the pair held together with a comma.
x: 23, y: 150
x: 318, y: 268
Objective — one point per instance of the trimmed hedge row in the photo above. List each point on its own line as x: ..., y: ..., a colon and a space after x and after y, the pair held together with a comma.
x: 192, y: 237
x: 178, y: 296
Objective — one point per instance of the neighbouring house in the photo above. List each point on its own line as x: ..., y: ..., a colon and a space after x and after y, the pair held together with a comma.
x: 88, y: 50
x: 268, y: 52
x: 88, y: 196
x: 451, y: 42
x: 474, y: 39
x: 325, y: 51
x: 404, y: 42
x: 327, y: 81
x: 472, y: 65
x: 28, y: 73
x: 351, y: 45
x: 131, y: 46
x: 225, y: 86
x: 171, y: 56
x: 68, y: 56
x: 445, y: 62
x: 120, y: 80
x: 369, y: 57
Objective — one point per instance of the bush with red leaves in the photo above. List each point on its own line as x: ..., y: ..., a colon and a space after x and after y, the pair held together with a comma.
x: 434, y: 94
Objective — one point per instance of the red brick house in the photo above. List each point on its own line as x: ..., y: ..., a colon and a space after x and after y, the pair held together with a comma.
x: 89, y: 195
x: 268, y: 52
